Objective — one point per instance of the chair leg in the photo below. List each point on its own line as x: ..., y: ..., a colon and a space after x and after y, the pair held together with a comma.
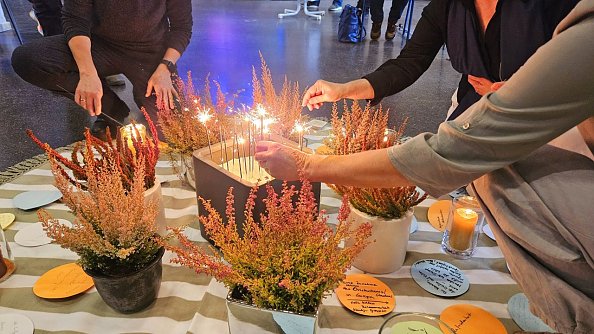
x: 291, y: 12
x: 11, y: 19
x: 408, y: 19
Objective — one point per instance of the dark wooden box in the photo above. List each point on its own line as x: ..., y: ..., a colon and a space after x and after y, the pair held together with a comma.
x: 213, y: 182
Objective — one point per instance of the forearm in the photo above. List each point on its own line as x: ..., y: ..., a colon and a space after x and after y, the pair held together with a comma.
x: 364, y: 169
x: 359, y: 89
x: 179, y: 13
x: 81, y: 50
x: 397, y: 74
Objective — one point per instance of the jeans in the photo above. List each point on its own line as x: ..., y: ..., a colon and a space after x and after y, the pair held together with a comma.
x: 48, y: 63
x: 377, y: 10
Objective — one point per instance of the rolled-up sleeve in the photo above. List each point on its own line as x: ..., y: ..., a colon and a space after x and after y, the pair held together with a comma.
x: 179, y: 13
x: 77, y: 18
x: 549, y: 95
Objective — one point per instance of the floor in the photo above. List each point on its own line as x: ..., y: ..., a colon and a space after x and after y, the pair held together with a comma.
x: 227, y: 38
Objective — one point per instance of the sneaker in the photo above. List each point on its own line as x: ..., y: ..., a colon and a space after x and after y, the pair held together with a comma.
x: 376, y: 30
x: 101, y: 124
x: 313, y: 5
x: 391, y: 31
x: 34, y: 18
x: 335, y: 7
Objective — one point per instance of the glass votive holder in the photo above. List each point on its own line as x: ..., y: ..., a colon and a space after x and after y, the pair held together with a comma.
x: 413, y: 323
x: 7, y: 265
x: 463, y: 227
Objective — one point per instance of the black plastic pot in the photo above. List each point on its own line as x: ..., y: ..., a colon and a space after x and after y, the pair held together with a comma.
x: 133, y: 292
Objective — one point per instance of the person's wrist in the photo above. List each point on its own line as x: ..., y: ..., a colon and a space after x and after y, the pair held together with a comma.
x: 88, y: 72
x: 310, y: 166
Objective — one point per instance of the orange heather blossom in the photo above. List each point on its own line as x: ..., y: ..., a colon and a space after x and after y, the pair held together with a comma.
x: 181, y: 126
x: 114, y: 230
x: 366, y: 129
x: 284, y: 107
x: 288, y: 261
x: 145, y: 154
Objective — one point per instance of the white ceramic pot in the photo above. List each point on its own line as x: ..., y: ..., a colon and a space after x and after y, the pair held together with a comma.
x: 154, y: 194
x: 187, y: 170
x: 386, y: 252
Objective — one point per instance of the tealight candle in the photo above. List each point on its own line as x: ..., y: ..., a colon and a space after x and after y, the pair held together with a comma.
x: 129, y: 132
x: 463, y: 224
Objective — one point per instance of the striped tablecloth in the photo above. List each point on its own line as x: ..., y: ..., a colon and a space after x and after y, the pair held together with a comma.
x: 193, y: 303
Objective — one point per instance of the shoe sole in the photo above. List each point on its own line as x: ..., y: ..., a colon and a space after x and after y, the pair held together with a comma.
x: 334, y: 9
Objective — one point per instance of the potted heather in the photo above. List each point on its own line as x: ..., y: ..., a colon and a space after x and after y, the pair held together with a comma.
x: 197, y: 121
x: 113, y: 232
x: 389, y: 210
x: 131, y: 150
x: 282, y: 267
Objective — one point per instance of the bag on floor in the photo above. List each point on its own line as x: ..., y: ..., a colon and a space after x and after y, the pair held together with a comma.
x: 350, y: 26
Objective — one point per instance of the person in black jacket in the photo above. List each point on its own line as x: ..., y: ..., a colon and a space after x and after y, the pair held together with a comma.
x: 487, y: 41
x: 141, y: 39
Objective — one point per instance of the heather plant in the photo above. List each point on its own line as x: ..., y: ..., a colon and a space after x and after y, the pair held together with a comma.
x: 362, y: 129
x: 114, y: 229
x: 288, y: 261
x: 284, y: 106
x: 185, y: 127
x: 145, y: 154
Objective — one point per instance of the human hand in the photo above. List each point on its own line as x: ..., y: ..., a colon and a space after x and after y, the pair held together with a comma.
x: 161, y: 83
x: 483, y: 86
x: 89, y: 92
x: 280, y: 161
x: 322, y: 91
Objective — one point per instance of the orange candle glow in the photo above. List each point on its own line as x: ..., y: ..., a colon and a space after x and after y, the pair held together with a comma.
x: 129, y: 132
x: 463, y: 228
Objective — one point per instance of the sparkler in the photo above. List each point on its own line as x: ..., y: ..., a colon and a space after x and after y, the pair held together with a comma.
x: 204, y: 117
x: 299, y: 128
x: 261, y: 112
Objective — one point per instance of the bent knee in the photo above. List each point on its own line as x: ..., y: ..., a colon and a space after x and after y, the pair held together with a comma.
x: 23, y: 61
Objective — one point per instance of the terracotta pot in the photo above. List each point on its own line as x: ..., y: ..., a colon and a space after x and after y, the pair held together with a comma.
x: 387, y: 253
x: 155, y: 194
x: 133, y: 292
x: 244, y: 318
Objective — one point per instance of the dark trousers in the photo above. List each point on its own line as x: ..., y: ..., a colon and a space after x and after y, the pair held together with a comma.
x: 49, y: 15
x: 48, y: 63
x: 377, y: 10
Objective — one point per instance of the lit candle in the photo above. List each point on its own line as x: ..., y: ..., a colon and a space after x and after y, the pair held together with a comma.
x: 136, y: 131
x: 463, y: 225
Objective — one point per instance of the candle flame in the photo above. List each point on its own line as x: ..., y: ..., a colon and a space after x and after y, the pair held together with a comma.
x: 467, y: 213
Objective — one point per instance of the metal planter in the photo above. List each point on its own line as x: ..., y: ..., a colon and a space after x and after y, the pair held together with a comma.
x: 244, y: 318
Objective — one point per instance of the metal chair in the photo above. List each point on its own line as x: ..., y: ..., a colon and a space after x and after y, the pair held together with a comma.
x: 408, y: 19
x: 291, y: 12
